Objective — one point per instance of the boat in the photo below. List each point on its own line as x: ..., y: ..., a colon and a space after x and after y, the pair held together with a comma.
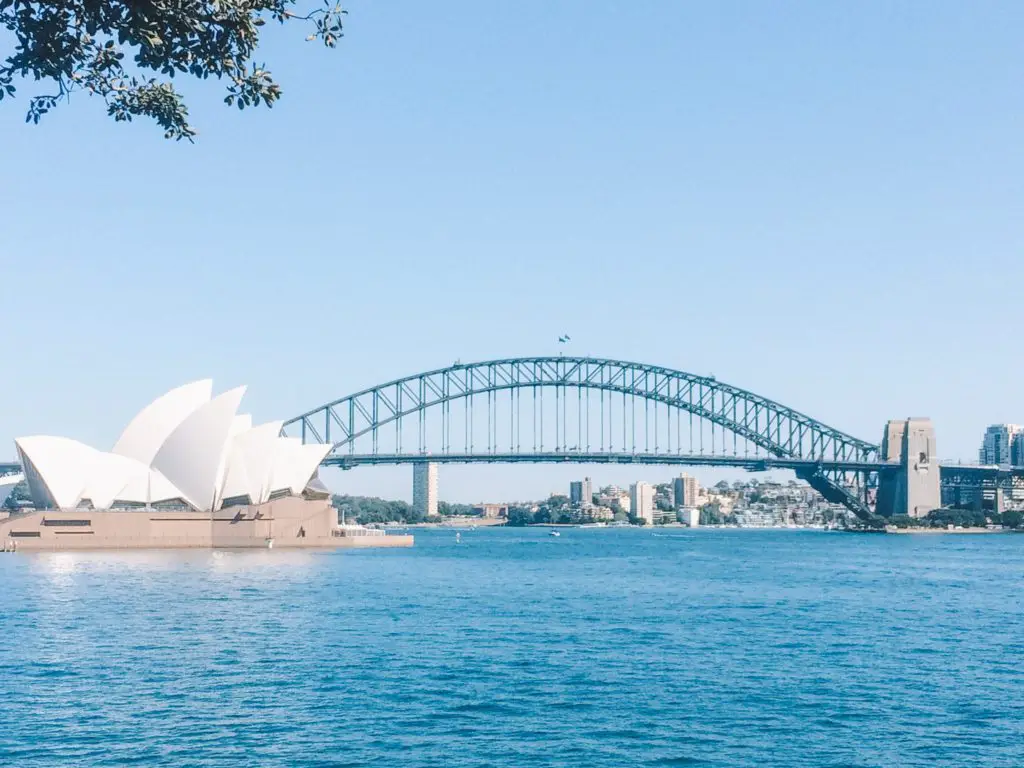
x: 554, y: 533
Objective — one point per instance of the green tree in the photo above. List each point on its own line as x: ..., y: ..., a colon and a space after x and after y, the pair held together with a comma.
x: 127, y: 52
x: 19, y: 494
x: 519, y: 516
x: 1012, y: 518
x: 363, y: 509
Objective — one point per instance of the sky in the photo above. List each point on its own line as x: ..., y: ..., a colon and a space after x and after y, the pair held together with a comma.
x: 819, y: 202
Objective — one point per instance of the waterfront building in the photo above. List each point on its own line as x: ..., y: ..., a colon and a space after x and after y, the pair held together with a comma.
x: 491, y: 511
x: 185, y: 450
x: 581, y: 492
x: 686, y: 490
x: 665, y: 516
x: 611, y: 496
x: 424, y: 489
x: 187, y: 471
x: 690, y: 516
x: 997, y: 442
x: 641, y: 501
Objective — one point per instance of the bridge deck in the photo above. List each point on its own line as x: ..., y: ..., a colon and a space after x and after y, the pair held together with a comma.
x: 751, y: 463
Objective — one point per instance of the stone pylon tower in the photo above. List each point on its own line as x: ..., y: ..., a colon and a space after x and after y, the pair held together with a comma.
x: 914, y: 489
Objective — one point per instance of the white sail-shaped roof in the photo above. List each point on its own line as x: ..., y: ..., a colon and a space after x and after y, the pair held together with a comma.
x: 242, y: 423
x: 149, y: 488
x: 190, y: 457
x: 250, y: 463
x: 184, y: 445
x: 108, y: 477
x: 58, y: 468
x: 147, y: 432
x: 305, y: 464
x: 294, y: 465
x: 285, y: 456
x: 119, y: 478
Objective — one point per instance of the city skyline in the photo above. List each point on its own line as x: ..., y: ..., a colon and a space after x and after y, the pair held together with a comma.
x: 811, y: 210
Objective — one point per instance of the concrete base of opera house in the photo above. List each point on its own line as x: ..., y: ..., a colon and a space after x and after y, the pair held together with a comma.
x: 289, y: 522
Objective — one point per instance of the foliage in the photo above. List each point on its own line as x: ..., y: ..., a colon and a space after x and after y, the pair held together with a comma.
x: 519, y: 516
x: 444, y: 509
x: 556, y: 509
x: 1012, y: 518
x: 113, y: 49
x: 364, y: 509
x: 712, y: 514
x: 968, y: 518
x: 18, y: 496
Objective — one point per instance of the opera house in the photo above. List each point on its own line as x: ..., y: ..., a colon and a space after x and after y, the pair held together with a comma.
x: 187, y: 471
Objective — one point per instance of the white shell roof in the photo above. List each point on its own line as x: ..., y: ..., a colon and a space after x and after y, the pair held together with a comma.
x: 183, y: 445
x: 190, y: 457
x: 148, y: 431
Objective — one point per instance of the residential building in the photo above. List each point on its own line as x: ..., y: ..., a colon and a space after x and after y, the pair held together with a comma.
x: 1017, y: 449
x: 687, y: 489
x: 581, y: 492
x: 424, y: 488
x: 641, y: 501
x: 690, y: 516
x: 611, y: 496
x: 996, y: 445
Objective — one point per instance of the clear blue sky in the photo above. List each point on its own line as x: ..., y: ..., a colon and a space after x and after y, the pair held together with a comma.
x: 821, y: 202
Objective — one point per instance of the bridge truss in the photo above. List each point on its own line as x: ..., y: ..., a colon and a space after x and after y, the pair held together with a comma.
x: 587, y: 410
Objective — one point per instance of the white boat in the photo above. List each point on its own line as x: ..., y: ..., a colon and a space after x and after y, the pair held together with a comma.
x: 554, y: 533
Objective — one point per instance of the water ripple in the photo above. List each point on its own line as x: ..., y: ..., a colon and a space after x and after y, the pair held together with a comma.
x: 601, y: 648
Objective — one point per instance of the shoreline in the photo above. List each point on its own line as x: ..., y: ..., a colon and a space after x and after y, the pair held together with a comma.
x: 933, y: 531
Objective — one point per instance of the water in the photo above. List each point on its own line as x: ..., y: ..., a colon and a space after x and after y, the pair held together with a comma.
x: 513, y: 648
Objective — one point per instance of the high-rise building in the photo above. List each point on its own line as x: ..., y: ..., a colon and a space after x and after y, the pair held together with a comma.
x: 1017, y: 449
x: 424, y: 488
x: 641, y: 501
x: 996, y: 445
x: 581, y: 492
x: 687, y: 489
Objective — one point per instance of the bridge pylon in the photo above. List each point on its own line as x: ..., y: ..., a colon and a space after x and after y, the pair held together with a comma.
x: 914, y: 488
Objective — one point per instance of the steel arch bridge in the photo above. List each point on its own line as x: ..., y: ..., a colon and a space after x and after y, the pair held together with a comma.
x: 587, y: 410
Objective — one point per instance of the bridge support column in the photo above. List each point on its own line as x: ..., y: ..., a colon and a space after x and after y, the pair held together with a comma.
x: 914, y: 489
x: 424, y: 488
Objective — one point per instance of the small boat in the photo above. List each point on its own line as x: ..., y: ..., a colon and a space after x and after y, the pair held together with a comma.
x: 458, y: 538
x: 554, y: 533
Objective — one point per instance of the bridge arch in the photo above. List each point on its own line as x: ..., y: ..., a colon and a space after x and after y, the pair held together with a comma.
x: 777, y: 430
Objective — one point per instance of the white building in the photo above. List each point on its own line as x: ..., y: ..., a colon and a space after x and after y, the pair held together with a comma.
x: 690, y: 516
x: 641, y: 501
x: 424, y: 488
x: 997, y: 443
x: 185, y: 450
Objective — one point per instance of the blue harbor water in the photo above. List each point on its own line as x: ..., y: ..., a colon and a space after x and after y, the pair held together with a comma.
x: 514, y: 648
